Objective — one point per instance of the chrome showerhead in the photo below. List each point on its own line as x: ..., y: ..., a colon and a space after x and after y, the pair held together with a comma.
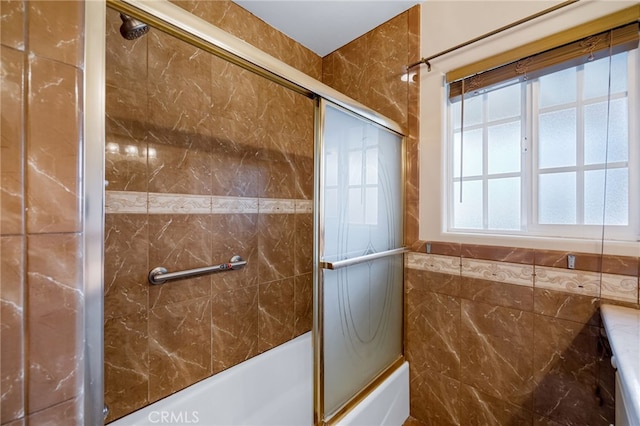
x: 131, y: 28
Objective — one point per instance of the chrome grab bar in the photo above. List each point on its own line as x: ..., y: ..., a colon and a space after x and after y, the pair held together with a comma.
x: 160, y: 275
x: 360, y: 259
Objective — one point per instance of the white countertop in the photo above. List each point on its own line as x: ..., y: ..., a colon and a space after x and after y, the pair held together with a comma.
x: 623, y: 330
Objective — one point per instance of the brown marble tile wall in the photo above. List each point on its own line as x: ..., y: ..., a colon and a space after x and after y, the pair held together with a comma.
x: 41, y: 293
x: 484, y: 352
x: 371, y: 70
x: 180, y: 121
x: 608, y: 264
x: 237, y: 21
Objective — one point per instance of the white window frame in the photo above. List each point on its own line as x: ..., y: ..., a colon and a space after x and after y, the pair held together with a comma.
x: 529, y: 180
x: 485, y: 177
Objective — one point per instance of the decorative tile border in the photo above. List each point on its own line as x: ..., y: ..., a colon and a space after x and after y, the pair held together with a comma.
x: 271, y: 206
x: 225, y: 205
x: 609, y: 286
x: 568, y: 281
x: 179, y: 204
x: 125, y: 202
x: 433, y: 263
x: 504, y: 272
x: 304, y: 206
x: 157, y: 203
x: 619, y: 287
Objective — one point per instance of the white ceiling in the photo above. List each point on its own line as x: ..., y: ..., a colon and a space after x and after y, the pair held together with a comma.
x: 325, y: 25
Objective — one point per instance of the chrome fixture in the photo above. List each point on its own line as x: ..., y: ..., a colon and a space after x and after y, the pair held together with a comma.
x: 160, y: 275
x: 131, y: 28
x: 361, y: 259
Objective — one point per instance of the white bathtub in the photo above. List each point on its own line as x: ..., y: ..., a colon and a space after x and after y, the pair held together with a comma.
x: 271, y: 389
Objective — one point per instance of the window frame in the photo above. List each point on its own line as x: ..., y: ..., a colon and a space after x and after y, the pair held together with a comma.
x: 530, y: 225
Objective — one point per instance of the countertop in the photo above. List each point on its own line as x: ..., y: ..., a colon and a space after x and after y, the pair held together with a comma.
x: 623, y: 331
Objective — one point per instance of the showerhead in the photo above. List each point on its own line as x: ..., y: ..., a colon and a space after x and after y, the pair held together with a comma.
x: 131, y: 28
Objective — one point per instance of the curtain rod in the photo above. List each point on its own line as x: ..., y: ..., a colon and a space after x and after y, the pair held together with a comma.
x: 489, y: 34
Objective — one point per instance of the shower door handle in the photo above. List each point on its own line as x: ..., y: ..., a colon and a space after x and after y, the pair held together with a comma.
x: 361, y: 259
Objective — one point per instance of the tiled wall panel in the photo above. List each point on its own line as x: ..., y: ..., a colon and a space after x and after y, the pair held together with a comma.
x: 516, y: 350
x: 203, y: 161
x: 41, y: 291
x: 371, y: 70
x: 12, y: 360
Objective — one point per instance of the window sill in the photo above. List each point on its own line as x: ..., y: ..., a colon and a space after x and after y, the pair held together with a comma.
x: 595, y: 246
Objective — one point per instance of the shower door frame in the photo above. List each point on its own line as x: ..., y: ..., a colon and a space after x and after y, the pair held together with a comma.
x: 318, y: 287
x: 169, y: 18
x: 93, y: 172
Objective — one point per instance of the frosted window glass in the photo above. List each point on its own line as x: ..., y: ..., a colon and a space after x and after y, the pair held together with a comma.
x: 557, y: 198
x: 381, y: 230
x: 557, y: 139
x: 472, y: 112
x: 331, y: 207
x: 504, y: 204
x: 355, y: 168
x: 595, y: 132
x: 355, y: 200
x: 331, y: 169
x: 468, y: 214
x: 372, y: 166
x: 504, y: 103
x: 354, y: 136
x: 472, y: 154
x: 617, y: 202
x: 596, y: 76
x: 362, y: 325
x: 371, y: 206
x: 363, y: 214
x: 558, y: 88
x: 504, y: 148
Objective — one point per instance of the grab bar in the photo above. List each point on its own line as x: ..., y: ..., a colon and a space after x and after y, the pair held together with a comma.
x: 360, y: 259
x: 160, y: 275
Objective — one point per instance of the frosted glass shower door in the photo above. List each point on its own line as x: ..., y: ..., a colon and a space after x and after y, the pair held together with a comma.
x: 360, y: 251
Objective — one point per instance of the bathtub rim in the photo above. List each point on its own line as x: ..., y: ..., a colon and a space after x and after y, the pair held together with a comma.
x: 141, y: 414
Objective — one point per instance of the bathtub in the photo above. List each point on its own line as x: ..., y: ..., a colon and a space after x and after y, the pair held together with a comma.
x: 272, y: 389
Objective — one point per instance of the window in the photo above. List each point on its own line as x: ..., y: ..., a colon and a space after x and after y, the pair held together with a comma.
x: 534, y: 154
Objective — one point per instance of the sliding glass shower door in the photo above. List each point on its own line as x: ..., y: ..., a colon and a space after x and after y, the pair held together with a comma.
x: 359, y: 254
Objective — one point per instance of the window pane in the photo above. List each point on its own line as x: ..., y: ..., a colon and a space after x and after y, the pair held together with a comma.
x: 504, y: 148
x: 472, y: 153
x: 558, y: 88
x: 504, y: 103
x: 557, y: 198
x: 617, y: 212
x: 468, y: 214
x: 504, y: 204
x: 472, y: 112
x: 595, y: 132
x: 596, y: 76
x: 557, y: 139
